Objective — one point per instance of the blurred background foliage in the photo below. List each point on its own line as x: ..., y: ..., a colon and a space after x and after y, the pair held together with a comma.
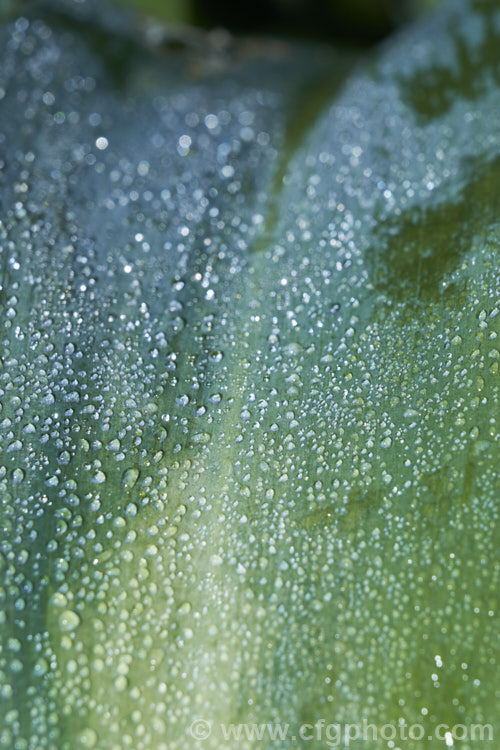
x: 362, y: 21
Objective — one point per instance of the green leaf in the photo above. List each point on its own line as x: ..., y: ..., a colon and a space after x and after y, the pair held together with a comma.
x: 249, y: 385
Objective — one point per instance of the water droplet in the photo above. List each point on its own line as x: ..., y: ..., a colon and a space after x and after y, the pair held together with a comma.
x: 88, y: 738
x: 17, y: 475
x: 201, y: 438
x: 215, y: 356
x: 68, y: 620
x: 130, y: 477
x: 99, y: 477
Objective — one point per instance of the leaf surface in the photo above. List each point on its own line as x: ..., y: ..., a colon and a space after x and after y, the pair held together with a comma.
x: 249, y: 400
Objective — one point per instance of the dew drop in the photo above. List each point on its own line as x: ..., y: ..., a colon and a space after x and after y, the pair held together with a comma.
x: 130, y: 477
x: 68, y: 620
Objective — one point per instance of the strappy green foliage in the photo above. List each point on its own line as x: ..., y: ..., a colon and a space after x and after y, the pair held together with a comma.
x: 249, y: 385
